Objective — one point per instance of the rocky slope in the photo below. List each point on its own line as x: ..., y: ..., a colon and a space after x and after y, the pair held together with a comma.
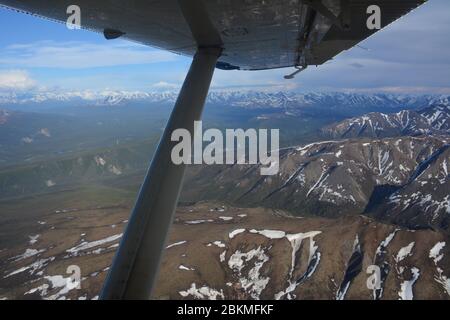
x: 215, y: 251
x: 404, y: 180
x: 434, y: 119
x: 263, y: 254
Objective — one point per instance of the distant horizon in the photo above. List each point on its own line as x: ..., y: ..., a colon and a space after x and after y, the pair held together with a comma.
x: 256, y: 99
x: 257, y: 90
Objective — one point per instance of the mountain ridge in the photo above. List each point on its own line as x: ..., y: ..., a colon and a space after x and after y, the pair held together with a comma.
x: 433, y: 119
x: 245, y: 99
x: 402, y: 180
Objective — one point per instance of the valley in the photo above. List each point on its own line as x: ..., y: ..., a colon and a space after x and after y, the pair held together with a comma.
x: 358, y: 189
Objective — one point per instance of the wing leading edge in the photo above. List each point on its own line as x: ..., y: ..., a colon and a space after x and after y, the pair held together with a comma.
x: 254, y: 34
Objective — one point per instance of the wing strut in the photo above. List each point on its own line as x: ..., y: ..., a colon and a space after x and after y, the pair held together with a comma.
x: 135, y: 267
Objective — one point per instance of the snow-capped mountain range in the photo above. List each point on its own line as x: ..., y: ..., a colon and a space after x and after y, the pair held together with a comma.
x: 246, y: 99
x: 432, y: 119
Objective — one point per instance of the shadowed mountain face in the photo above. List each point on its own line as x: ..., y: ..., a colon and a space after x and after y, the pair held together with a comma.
x: 406, y: 179
x: 431, y: 120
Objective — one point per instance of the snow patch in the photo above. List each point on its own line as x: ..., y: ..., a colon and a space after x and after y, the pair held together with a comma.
x: 234, y: 233
x: 217, y: 243
x: 32, y: 268
x: 404, y: 252
x: 182, y: 267
x: 435, y: 252
x: 74, y: 251
x: 28, y: 253
x: 64, y: 285
x: 33, y: 239
x: 271, y: 234
x: 253, y: 283
x: 50, y: 183
x: 198, y: 221
x: 176, y: 244
x: 406, y: 288
x: 204, y: 292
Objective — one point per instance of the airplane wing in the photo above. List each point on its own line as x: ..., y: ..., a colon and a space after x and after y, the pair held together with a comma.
x: 254, y: 34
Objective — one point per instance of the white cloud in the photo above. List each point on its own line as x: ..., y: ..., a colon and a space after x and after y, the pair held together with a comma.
x: 16, y: 80
x: 163, y: 85
x: 78, y: 55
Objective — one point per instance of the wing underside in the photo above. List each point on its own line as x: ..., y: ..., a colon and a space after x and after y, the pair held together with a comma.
x: 254, y: 34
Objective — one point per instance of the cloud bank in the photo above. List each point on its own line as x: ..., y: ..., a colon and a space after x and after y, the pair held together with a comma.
x: 16, y: 80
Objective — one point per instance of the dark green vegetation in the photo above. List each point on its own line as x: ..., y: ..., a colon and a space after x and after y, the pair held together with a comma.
x: 46, y: 152
x: 58, y: 144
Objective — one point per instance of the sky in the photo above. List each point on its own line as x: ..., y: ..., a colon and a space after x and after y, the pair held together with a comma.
x: 411, y: 55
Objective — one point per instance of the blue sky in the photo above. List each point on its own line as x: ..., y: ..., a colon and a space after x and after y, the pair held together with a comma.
x: 410, y: 56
